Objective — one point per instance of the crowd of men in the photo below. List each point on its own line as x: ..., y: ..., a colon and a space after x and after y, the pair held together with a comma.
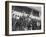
x: 23, y: 22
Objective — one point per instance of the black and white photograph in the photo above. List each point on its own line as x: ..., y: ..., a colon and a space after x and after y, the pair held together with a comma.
x: 26, y: 18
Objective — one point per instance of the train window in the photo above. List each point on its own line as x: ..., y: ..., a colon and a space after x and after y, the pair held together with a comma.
x: 35, y: 13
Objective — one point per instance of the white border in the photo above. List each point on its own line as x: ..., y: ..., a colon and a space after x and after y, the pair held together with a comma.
x: 24, y: 32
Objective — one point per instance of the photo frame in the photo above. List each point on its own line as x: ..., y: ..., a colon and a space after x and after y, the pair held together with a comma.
x: 24, y: 18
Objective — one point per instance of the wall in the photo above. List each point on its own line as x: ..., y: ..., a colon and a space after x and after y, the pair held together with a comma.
x: 2, y: 19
